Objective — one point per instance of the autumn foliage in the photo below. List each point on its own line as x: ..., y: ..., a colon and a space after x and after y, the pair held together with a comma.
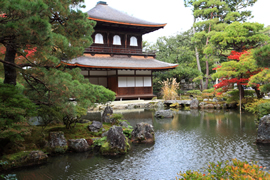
x: 235, y: 169
x: 238, y: 70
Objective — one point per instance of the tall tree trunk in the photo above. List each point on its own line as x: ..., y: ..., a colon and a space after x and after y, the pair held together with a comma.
x: 10, y: 71
x: 241, y: 95
x: 206, y: 62
x: 197, y: 55
x: 206, y: 74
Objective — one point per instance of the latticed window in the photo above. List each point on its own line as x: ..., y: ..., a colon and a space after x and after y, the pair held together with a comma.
x: 133, y: 41
x: 116, y: 40
x: 99, y: 39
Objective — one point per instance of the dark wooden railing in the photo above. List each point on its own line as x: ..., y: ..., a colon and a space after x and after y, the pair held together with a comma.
x: 114, y: 50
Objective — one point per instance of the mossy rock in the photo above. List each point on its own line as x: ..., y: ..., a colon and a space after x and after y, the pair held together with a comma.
x: 106, y: 149
x: 24, y: 158
x: 116, y: 142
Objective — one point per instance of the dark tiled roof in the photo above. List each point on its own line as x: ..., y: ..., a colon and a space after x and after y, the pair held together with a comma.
x: 119, y: 62
x: 106, y: 13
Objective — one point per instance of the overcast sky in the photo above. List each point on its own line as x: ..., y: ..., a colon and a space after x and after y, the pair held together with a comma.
x: 172, y: 12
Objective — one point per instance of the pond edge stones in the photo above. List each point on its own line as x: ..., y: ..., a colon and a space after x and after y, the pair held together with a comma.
x: 264, y: 130
x: 143, y: 133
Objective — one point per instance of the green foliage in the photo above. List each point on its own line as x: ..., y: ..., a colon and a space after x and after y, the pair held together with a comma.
x: 117, y: 116
x: 100, y: 141
x: 209, y: 90
x: 263, y: 109
x: 235, y: 169
x: 233, y: 95
x: 127, y: 132
x: 194, y: 92
x: 56, y: 91
x: 176, y: 49
x: 262, y: 55
x: 239, y: 36
x: 211, y: 18
x: 14, y: 108
x: 262, y: 79
x: 180, y: 72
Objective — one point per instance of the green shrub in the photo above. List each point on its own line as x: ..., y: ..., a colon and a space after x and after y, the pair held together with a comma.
x: 263, y: 109
x: 209, y: 90
x: 228, y: 170
x: 127, y: 132
x: 14, y: 108
x: 100, y: 141
x: 194, y: 92
x: 117, y: 116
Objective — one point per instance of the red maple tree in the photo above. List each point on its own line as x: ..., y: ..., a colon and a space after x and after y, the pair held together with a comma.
x: 227, y: 82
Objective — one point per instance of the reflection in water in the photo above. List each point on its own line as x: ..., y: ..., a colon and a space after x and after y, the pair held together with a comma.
x: 188, y: 141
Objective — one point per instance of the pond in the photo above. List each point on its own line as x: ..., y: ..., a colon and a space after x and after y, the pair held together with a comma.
x: 188, y: 141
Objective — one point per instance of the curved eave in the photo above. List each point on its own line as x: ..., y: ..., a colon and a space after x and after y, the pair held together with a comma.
x: 113, y: 67
x: 130, y: 24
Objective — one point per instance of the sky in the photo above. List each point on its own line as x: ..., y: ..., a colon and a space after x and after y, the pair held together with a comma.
x: 173, y: 12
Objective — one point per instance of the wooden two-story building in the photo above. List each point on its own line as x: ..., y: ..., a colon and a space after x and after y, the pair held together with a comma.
x: 115, y: 59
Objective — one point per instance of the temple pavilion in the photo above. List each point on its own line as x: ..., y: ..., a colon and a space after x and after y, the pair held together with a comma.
x: 116, y: 59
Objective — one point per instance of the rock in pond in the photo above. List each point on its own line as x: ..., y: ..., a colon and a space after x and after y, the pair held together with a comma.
x: 264, y: 130
x: 116, y: 143
x: 26, y: 158
x: 143, y: 133
x: 78, y: 145
x: 164, y: 114
x: 95, y: 126
x: 106, y: 116
x: 58, y: 142
x: 194, y: 104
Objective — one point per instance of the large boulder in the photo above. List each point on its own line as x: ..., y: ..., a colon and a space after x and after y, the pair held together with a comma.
x: 194, y: 104
x: 116, y: 143
x: 95, y: 126
x: 143, y: 133
x: 25, y: 158
x: 164, y: 114
x: 78, y: 145
x: 58, y: 142
x: 264, y: 130
x: 106, y: 116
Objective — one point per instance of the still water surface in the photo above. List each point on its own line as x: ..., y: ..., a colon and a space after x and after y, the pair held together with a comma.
x: 188, y: 141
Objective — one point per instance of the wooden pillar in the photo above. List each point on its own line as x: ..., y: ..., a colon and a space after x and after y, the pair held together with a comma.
x: 108, y: 39
x: 151, y: 82
x: 125, y: 40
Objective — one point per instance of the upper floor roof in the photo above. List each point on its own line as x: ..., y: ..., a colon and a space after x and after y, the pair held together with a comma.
x: 106, y: 14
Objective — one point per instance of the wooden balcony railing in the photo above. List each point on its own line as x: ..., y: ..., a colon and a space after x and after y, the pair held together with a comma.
x: 114, y: 50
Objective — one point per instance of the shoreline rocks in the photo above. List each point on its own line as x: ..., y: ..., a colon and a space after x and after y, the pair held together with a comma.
x: 26, y: 158
x: 263, y: 136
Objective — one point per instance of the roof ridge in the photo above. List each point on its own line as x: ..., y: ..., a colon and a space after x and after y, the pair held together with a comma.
x: 103, y: 12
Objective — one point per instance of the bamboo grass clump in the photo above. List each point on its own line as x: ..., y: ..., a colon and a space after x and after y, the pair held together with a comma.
x: 169, y: 89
